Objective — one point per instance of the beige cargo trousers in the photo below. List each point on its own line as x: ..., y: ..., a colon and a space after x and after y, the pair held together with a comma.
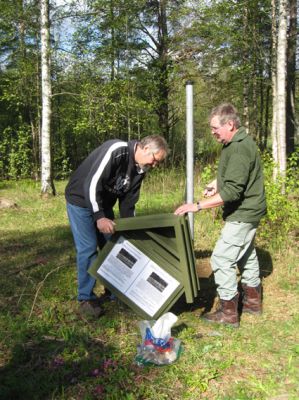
x: 235, y: 248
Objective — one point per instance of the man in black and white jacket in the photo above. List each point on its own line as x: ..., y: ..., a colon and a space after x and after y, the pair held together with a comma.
x: 113, y: 171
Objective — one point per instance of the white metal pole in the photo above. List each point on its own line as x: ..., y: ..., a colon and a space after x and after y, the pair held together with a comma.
x: 190, y: 151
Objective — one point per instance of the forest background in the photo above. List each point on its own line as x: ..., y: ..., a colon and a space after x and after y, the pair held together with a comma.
x: 118, y: 68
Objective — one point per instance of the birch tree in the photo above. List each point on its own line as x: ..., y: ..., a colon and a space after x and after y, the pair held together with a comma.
x: 281, y: 86
x: 246, y: 77
x: 47, y: 185
x: 291, y: 78
x: 274, y: 90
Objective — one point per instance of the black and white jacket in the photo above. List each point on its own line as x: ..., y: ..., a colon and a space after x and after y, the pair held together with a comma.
x: 107, y: 174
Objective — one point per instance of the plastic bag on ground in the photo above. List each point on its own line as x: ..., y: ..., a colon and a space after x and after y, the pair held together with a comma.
x: 158, y: 347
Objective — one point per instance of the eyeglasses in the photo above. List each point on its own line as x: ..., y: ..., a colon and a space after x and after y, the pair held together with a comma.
x: 216, y: 128
x: 155, y: 159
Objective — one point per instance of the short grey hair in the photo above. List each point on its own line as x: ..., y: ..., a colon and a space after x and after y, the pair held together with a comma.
x: 155, y: 142
x: 226, y: 112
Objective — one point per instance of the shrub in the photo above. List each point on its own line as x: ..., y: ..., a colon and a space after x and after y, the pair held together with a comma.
x: 282, y: 218
x: 16, y: 153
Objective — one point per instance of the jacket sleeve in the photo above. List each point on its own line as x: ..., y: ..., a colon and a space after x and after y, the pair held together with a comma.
x: 235, y: 178
x: 106, y: 161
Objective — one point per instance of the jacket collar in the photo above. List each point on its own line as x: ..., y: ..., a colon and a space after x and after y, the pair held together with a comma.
x: 239, y: 135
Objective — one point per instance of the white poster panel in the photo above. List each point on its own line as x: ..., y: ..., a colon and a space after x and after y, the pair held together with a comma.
x: 137, y: 276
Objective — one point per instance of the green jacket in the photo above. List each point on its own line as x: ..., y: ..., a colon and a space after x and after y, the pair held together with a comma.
x: 240, y: 180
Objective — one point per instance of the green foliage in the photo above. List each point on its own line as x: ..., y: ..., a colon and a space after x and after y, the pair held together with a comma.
x: 207, y: 174
x: 16, y: 153
x: 61, y: 165
x: 282, y: 218
x: 123, y: 70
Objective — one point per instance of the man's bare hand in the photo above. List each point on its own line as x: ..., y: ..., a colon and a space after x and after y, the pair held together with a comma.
x: 186, y: 208
x: 106, y: 225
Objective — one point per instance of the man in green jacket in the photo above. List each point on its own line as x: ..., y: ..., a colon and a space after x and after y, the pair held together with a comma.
x: 239, y: 188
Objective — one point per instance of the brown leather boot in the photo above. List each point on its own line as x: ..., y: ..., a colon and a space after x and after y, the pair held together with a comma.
x: 252, y: 299
x: 227, y: 313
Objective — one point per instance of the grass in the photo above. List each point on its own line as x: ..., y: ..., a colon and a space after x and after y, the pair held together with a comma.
x: 48, y: 351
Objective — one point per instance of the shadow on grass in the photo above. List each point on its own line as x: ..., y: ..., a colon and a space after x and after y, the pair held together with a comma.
x: 265, y: 261
x: 28, y: 258
x: 38, y: 370
x: 208, y: 289
x: 202, y: 303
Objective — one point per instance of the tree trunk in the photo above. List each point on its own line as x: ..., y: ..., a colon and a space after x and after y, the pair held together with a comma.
x: 261, y: 111
x: 245, y: 121
x: 163, y: 111
x: 35, y: 120
x: 281, y: 86
x: 291, y: 78
x: 47, y: 185
x: 113, y: 45
x: 274, y: 91
x: 255, y: 78
x: 255, y: 111
x: 266, y: 126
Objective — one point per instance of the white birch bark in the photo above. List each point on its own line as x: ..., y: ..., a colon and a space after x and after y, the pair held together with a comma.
x: 274, y: 90
x: 281, y: 86
x: 47, y: 186
x: 245, y: 118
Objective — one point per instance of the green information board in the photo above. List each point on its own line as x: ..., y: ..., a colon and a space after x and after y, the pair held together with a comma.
x: 149, y: 263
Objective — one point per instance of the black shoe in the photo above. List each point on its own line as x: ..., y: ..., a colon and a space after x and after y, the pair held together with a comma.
x: 106, y: 296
